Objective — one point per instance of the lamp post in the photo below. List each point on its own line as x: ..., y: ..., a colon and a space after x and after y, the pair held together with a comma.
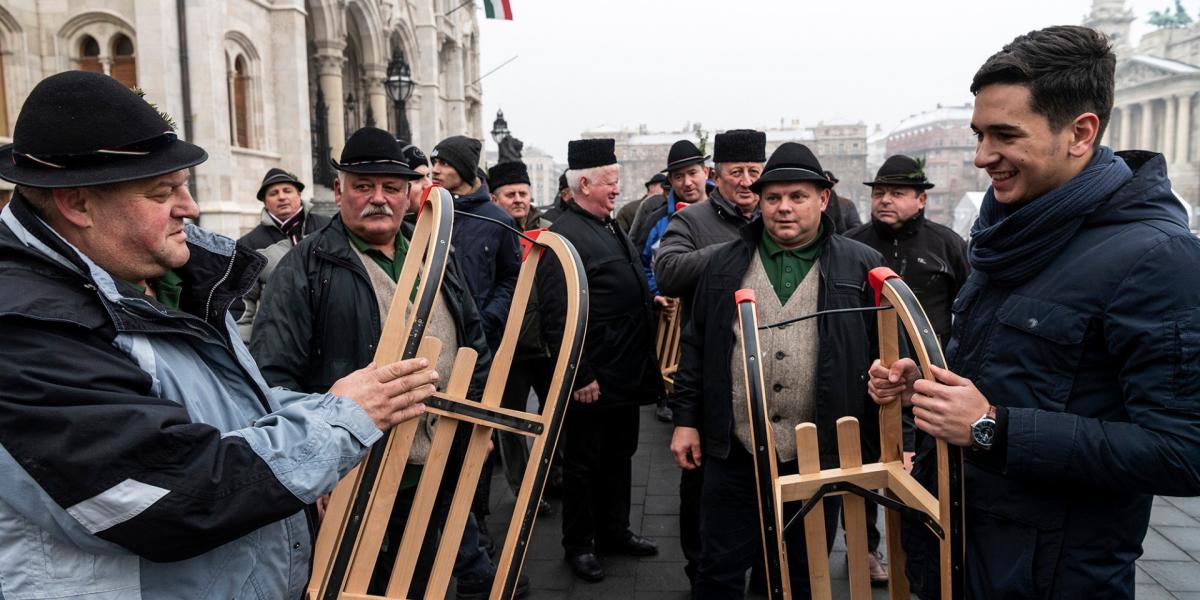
x: 500, y: 130
x: 399, y: 86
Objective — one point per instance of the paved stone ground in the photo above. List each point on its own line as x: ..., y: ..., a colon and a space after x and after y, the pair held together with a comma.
x: 1169, y: 569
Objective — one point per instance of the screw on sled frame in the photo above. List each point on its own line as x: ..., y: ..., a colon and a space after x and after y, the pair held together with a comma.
x: 349, y: 541
x: 902, y: 494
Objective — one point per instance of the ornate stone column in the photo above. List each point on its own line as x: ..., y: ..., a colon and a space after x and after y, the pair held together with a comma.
x: 1183, y: 129
x: 329, y: 59
x: 1168, y: 144
x: 1146, y: 135
x: 1124, y: 142
x: 377, y: 96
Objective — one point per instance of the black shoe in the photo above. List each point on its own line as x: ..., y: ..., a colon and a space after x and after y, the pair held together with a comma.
x: 481, y: 588
x: 586, y: 567
x: 632, y: 545
x: 663, y: 413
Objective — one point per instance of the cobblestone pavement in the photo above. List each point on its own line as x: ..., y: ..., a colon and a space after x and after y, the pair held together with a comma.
x: 1169, y: 569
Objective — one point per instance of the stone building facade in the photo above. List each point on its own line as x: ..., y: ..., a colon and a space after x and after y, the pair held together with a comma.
x: 247, y: 77
x: 944, y: 139
x: 841, y: 148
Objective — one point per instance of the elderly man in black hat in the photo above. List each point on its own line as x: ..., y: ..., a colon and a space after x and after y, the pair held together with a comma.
x: 325, y: 306
x: 655, y: 186
x: 489, y: 254
x: 683, y: 255
x: 617, y: 372
x: 284, y: 214
x: 509, y: 183
x: 143, y: 454
x: 796, y: 265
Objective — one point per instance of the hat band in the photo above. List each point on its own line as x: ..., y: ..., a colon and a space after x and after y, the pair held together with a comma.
x: 674, y: 163
x: 801, y: 169
x: 900, y: 179
x: 375, y: 162
x: 96, y: 157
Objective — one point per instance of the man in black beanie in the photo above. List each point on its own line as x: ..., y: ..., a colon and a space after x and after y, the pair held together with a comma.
x: 617, y: 372
x: 489, y: 254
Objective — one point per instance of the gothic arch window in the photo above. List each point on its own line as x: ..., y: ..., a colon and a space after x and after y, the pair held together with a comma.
x: 243, y: 79
x: 89, y: 54
x: 124, y: 63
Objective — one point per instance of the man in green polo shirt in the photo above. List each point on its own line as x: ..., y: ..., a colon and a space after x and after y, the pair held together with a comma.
x: 813, y: 369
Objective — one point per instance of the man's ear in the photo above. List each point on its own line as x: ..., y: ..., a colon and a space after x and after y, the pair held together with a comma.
x: 337, y: 191
x: 824, y: 199
x: 74, y: 204
x: 1084, y: 131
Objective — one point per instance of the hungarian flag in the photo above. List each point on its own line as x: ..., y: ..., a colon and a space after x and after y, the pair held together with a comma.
x: 490, y: 9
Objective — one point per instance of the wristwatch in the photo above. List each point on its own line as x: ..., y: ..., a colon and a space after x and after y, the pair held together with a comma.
x: 983, y: 431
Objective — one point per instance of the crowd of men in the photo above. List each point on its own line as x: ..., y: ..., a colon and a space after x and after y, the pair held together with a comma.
x: 174, y: 405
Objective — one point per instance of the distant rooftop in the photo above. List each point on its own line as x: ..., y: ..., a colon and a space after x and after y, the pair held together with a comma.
x: 939, y: 114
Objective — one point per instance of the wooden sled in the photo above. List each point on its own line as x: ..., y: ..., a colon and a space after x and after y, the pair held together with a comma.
x: 666, y: 345
x: 853, y: 480
x: 349, y: 541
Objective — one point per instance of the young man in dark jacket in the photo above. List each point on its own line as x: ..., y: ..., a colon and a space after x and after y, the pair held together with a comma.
x: 1074, y: 364
x: 325, y: 306
x: 284, y: 215
x: 489, y: 254
x: 617, y: 372
x: 796, y: 265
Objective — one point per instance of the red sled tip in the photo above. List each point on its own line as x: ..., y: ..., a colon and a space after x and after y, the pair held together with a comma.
x: 876, y: 277
x: 743, y: 295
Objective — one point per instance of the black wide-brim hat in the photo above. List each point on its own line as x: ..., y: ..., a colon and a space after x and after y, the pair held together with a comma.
x: 373, y: 151
x: 79, y: 129
x: 901, y: 170
x: 791, y: 162
x: 658, y: 178
x: 683, y: 154
x: 277, y: 175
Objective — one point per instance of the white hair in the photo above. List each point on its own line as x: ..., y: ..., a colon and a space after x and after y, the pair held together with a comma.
x: 592, y: 174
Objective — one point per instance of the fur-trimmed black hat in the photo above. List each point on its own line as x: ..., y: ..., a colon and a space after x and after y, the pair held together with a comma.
x: 658, y: 178
x: 373, y: 151
x: 901, y: 170
x: 507, y: 173
x: 740, y: 146
x: 79, y: 129
x: 683, y: 154
x: 277, y: 175
x: 791, y: 162
x: 586, y: 154
x: 462, y: 154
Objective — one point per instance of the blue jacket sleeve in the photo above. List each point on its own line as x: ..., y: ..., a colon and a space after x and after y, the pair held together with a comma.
x: 1153, y: 327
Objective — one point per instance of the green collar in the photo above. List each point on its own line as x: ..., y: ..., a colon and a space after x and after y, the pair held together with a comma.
x: 806, y: 252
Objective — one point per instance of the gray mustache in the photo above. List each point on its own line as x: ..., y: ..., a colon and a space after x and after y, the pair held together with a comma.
x: 376, y: 209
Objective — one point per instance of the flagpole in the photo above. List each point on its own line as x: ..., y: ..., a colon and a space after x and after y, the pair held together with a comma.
x: 502, y: 65
x: 453, y: 10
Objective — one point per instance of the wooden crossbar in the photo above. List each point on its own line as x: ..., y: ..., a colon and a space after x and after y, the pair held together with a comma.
x: 943, y: 513
x: 667, y: 344
x: 363, y: 531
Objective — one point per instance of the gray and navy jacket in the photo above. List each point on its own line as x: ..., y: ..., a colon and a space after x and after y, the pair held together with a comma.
x: 142, y: 454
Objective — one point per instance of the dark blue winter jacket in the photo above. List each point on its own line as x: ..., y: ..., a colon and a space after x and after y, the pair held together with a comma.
x: 490, y: 258
x: 1097, y: 359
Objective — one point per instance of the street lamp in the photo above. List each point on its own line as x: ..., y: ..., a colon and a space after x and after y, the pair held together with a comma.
x: 399, y: 86
x: 500, y: 130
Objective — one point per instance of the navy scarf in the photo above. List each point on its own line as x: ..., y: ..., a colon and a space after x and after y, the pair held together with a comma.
x: 1011, y: 246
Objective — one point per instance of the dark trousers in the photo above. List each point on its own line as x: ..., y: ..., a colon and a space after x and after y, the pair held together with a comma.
x: 691, y: 484
x: 729, y: 526
x: 597, y: 463
x: 525, y: 375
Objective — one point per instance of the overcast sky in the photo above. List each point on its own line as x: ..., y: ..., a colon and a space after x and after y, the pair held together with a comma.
x: 747, y: 63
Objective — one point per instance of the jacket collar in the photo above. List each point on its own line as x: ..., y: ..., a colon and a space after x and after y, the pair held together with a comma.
x: 728, y: 210
x: 907, y: 230
x: 574, y: 207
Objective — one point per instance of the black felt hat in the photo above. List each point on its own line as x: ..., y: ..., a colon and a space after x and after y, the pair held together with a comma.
x: 683, y: 154
x: 562, y: 182
x: 831, y: 177
x: 81, y: 129
x: 277, y: 175
x: 373, y: 151
x: 791, y: 162
x: 586, y: 154
x: 507, y: 173
x: 461, y: 153
x: 658, y: 178
x: 740, y: 145
x: 901, y: 170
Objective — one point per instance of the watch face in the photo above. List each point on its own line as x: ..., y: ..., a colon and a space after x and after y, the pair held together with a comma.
x: 984, y: 432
